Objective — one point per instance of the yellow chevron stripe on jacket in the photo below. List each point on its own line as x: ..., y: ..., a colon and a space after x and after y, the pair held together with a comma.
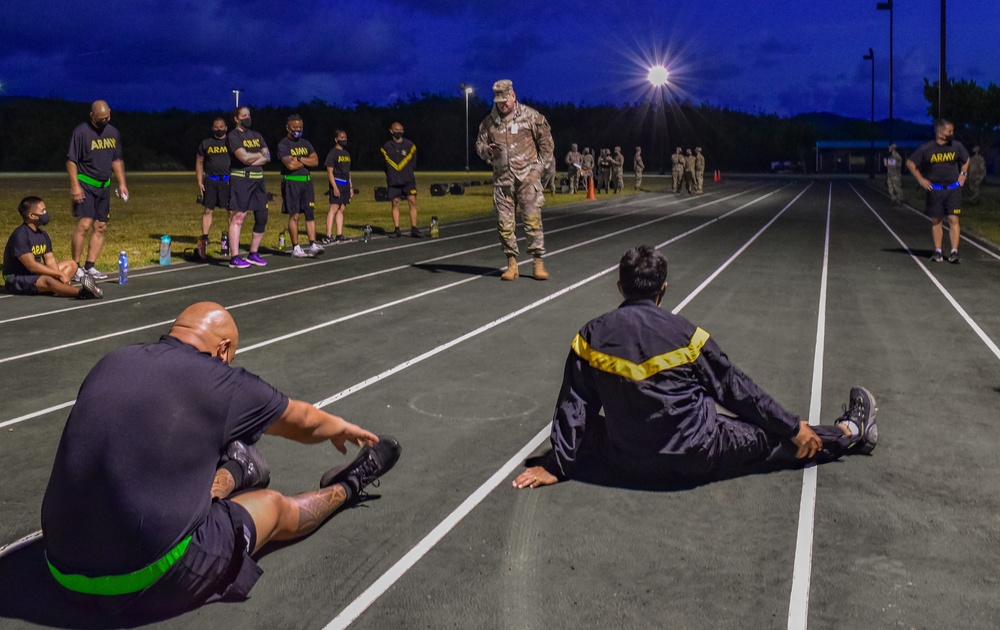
x: 641, y: 371
x: 402, y: 164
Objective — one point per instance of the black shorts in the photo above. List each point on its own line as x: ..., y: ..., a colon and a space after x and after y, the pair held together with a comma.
x: 403, y: 190
x: 22, y: 285
x: 96, y: 204
x: 943, y: 203
x: 298, y: 198
x: 216, y: 193
x: 216, y: 567
x: 340, y: 201
x: 247, y: 195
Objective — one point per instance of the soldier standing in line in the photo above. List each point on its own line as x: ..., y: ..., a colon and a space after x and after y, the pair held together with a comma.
x: 573, y: 162
x: 400, y: 157
x: 894, y: 175
x: 977, y: 173
x: 248, y: 153
x: 618, y: 170
x: 699, y: 170
x: 211, y: 168
x: 638, y: 166
x: 95, y: 152
x: 517, y: 141
x: 604, y: 171
x: 297, y: 194
x: 587, y: 168
x: 690, y: 163
x: 338, y: 171
x: 677, y: 169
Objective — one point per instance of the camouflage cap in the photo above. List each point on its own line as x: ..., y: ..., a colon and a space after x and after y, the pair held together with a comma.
x: 892, y: 147
x: 698, y: 149
x: 502, y: 90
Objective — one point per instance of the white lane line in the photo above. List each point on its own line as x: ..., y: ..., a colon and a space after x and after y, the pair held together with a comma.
x: 798, y: 606
x: 412, y: 297
x: 951, y: 300
x: 35, y: 414
x: 396, y: 571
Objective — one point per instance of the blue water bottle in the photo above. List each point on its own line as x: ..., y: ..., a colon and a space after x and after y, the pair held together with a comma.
x: 122, y: 268
x: 165, y: 250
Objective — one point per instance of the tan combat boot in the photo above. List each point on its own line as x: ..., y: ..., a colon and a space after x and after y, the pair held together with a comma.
x: 539, y: 270
x: 511, y: 272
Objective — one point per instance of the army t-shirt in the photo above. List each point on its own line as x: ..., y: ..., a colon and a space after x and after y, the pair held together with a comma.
x: 296, y: 148
x: 940, y: 163
x: 93, y: 151
x: 248, y: 139
x: 215, y: 153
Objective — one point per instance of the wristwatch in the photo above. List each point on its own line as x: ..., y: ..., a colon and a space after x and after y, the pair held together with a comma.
x: 963, y: 174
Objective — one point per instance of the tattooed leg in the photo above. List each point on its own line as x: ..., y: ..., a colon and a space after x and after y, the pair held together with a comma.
x: 223, y: 485
x: 277, y: 517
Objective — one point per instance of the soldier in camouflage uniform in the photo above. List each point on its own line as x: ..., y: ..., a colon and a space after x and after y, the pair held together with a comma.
x: 977, y: 173
x: 690, y: 163
x: 587, y: 168
x: 699, y: 170
x: 604, y: 171
x: 517, y: 141
x: 677, y: 168
x: 638, y: 166
x: 573, y: 163
x: 618, y: 170
x: 894, y: 174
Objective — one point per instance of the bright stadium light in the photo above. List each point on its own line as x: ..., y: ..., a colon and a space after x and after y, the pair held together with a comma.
x: 658, y: 76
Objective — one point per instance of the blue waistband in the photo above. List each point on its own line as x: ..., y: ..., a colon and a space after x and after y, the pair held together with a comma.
x: 218, y: 178
x: 341, y: 182
x: 942, y: 186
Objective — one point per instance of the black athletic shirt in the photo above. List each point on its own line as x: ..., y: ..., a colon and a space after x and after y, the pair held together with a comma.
x: 940, y: 163
x: 134, y: 470
x: 215, y: 153
x: 400, y: 159
x: 296, y: 148
x: 24, y: 240
x: 340, y: 161
x: 250, y: 140
x: 93, y: 152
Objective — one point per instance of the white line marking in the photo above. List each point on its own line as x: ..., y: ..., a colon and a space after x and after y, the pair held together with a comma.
x: 798, y: 606
x: 958, y: 308
x: 20, y: 543
x: 390, y: 577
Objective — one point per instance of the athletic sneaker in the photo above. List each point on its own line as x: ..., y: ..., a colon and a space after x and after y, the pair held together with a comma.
x: 327, y: 240
x: 937, y: 257
x: 371, y: 463
x: 256, y: 474
x: 255, y: 259
x: 340, y: 239
x: 297, y: 252
x: 95, y: 274
x: 89, y: 288
x: 396, y: 233
x: 953, y: 257
x: 861, y: 411
x: 415, y: 232
x: 315, y: 248
x: 78, y: 276
x: 238, y: 262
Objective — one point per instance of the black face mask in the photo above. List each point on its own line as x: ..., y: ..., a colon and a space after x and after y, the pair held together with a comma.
x: 246, y: 122
x: 342, y: 143
x: 397, y: 134
x: 101, y: 124
x: 219, y: 133
x: 43, y: 219
x: 949, y: 138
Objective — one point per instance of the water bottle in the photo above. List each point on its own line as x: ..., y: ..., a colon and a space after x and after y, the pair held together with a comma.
x: 224, y: 245
x: 122, y: 268
x: 368, y: 233
x: 164, y: 250
x: 434, y: 228
x: 281, y: 240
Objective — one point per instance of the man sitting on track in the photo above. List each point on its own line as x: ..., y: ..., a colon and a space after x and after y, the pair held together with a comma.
x: 657, y: 378
x: 29, y: 265
x: 132, y: 520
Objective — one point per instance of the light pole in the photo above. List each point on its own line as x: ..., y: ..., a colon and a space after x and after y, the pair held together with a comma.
x: 887, y: 6
x: 658, y: 77
x: 467, y: 90
x: 942, y: 72
x: 237, y: 91
x: 871, y: 57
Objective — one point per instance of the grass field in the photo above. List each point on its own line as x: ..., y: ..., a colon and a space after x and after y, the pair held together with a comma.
x: 164, y: 203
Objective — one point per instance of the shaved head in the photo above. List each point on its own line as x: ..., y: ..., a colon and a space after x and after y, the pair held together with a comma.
x: 208, y: 327
x: 100, y: 109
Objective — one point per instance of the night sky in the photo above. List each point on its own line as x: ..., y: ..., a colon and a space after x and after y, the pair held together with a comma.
x: 780, y: 57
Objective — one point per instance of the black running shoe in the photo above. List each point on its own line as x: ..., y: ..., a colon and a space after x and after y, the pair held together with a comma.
x: 256, y: 473
x: 327, y: 240
x: 937, y: 257
x: 89, y: 288
x: 371, y: 463
x: 953, y: 257
x: 861, y: 411
x: 415, y: 232
x: 395, y: 234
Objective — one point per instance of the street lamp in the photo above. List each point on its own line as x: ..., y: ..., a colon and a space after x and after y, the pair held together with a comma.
x: 887, y: 6
x: 467, y: 90
x: 237, y: 91
x: 658, y: 77
x: 871, y: 57
x: 942, y: 71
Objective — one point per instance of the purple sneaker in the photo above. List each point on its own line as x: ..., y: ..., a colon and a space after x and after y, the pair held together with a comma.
x: 238, y: 262
x: 255, y: 259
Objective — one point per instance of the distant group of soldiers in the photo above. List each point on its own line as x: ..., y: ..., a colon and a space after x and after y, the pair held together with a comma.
x: 607, y: 171
x: 688, y: 171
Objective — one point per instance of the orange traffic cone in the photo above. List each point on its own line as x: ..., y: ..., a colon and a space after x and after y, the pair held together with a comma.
x: 718, y: 176
x: 590, y: 188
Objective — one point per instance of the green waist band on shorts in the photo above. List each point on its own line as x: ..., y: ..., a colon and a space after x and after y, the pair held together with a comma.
x: 121, y: 584
x: 86, y: 179
x: 248, y: 174
x: 298, y: 178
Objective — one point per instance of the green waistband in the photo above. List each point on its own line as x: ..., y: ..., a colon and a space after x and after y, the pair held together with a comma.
x: 86, y: 179
x: 121, y: 584
x: 298, y: 178
x: 249, y: 174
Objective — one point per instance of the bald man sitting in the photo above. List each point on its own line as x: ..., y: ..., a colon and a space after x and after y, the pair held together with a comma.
x: 138, y: 518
